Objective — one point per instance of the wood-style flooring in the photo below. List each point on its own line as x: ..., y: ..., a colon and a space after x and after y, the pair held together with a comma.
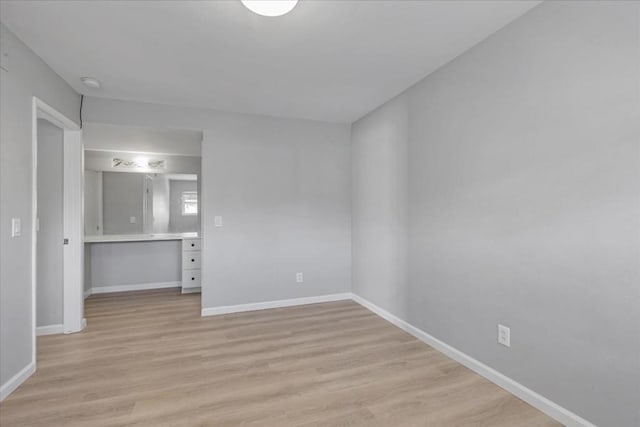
x: 148, y: 358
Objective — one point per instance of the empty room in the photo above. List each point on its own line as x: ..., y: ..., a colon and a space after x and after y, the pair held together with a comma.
x: 320, y: 213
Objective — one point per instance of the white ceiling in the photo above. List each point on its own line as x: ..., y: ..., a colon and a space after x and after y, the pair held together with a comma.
x: 326, y: 60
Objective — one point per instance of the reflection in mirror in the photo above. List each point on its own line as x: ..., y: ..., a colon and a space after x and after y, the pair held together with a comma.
x: 124, y: 202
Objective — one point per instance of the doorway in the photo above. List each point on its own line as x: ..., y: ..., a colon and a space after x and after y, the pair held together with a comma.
x: 56, y: 247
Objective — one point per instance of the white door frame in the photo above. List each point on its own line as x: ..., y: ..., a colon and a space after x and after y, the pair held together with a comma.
x: 73, y: 228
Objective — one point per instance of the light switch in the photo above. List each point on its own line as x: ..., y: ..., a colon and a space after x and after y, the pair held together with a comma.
x: 132, y: 220
x: 16, y: 227
x: 217, y: 221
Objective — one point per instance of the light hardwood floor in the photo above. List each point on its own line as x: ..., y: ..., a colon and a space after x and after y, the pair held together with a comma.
x: 148, y: 358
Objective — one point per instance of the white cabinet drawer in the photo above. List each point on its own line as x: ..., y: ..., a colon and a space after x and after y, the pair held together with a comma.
x: 190, y: 279
x: 191, y: 244
x: 190, y: 260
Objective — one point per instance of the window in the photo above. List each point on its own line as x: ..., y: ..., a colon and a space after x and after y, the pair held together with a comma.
x: 189, y: 203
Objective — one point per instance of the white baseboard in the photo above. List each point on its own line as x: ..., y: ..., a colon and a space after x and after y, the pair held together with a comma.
x: 14, y: 382
x: 129, y: 288
x: 534, y: 399
x: 87, y: 293
x: 49, y: 330
x: 214, y: 311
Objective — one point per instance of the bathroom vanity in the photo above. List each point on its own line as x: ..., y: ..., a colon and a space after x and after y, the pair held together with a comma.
x: 116, y: 263
x: 142, y: 222
x: 191, y: 260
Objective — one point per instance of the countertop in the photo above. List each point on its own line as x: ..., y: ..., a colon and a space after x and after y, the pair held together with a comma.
x: 114, y: 238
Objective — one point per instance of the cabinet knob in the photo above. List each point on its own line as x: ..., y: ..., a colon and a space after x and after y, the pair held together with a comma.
x: 193, y: 278
x: 193, y: 260
x: 193, y: 244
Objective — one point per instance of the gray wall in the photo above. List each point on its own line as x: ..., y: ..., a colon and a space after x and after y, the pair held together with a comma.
x: 523, y: 205
x: 379, y: 206
x: 133, y: 263
x: 283, y: 195
x: 177, y: 222
x: 28, y: 76
x: 282, y: 187
x: 143, y: 139
x: 93, y: 203
x: 49, y: 247
x: 122, y: 198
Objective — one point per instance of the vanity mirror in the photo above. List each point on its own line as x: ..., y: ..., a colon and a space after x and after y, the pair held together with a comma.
x: 127, y: 193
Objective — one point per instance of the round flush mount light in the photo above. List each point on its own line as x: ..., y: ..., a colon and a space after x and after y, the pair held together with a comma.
x: 270, y: 7
x: 91, y: 83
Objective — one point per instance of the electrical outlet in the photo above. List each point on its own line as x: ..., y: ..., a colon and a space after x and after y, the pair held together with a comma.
x: 299, y: 278
x: 504, y: 335
x: 217, y: 221
x: 16, y: 227
x: 132, y: 220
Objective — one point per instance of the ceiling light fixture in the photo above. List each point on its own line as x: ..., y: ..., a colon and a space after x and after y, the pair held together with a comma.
x: 90, y: 82
x: 270, y: 7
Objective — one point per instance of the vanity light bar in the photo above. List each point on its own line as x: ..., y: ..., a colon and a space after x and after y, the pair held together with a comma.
x: 138, y: 163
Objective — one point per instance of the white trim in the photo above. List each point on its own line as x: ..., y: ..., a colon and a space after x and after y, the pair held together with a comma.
x: 87, y: 293
x: 534, y: 399
x: 134, y: 287
x: 34, y: 221
x: 47, y: 112
x: 214, y: 311
x: 15, y: 381
x: 73, y: 261
x: 50, y: 330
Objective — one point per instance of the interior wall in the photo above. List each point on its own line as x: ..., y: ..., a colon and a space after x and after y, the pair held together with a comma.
x: 28, y: 76
x: 93, y: 203
x: 284, y: 197
x: 100, y: 136
x: 49, y: 277
x: 523, y: 204
x: 379, y: 206
x: 282, y: 187
x: 133, y: 263
x: 123, y: 198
